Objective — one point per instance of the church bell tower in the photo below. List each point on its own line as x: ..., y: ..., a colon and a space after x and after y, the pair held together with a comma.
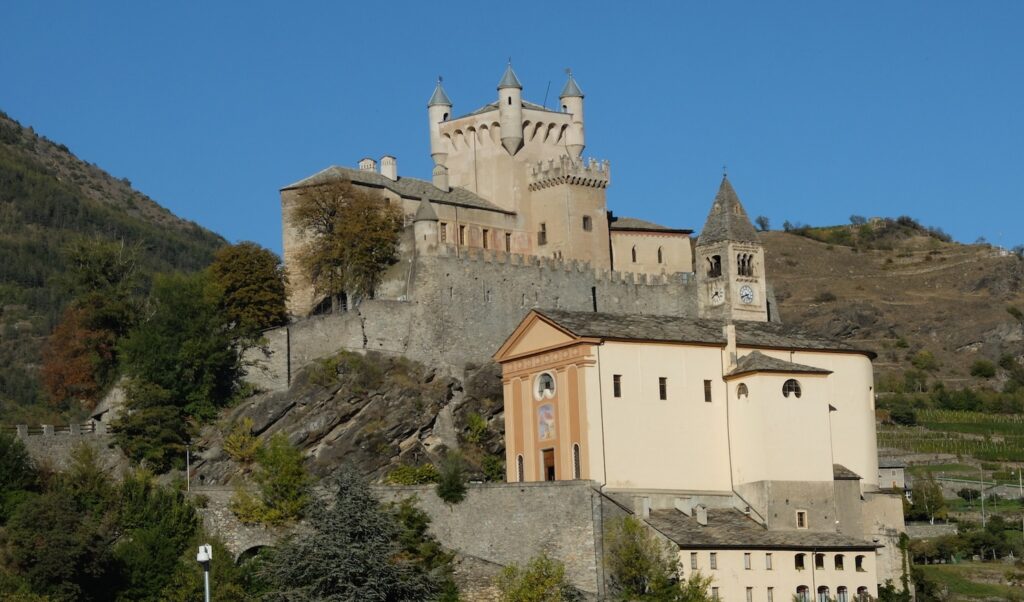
x: 730, y: 264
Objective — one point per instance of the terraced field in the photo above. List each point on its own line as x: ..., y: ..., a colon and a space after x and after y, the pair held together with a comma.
x: 989, y: 437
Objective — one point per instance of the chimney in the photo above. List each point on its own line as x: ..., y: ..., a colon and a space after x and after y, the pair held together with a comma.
x: 730, y: 344
x: 441, y: 177
x: 367, y: 164
x: 702, y: 515
x: 389, y: 167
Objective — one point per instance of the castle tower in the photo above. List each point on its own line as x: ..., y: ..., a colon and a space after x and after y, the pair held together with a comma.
x: 572, y: 103
x: 424, y: 227
x: 439, y: 110
x: 730, y: 264
x: 510, y: 111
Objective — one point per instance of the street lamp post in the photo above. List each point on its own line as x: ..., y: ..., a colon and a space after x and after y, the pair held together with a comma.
x: 204, y: 557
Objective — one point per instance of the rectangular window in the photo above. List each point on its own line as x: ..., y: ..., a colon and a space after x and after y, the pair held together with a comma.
x: 693, y: 560
x: 662, y: 388
x: 542, y: 236
x: 771, y: 594
x: 714, y: 593
x: 443, y: 231
x: 750, y: 594
x: 462, y: 235
x: 508, y: 242
x: 746, y: 560
x: 617, y: 385
x: 801, y: 519
x: 714, y: 560
x: 588, y: 224
x: 707, y: 390
x: 768, y: 561
x: 819, y: 562
x: 487, y: 238
x: 839, y: 562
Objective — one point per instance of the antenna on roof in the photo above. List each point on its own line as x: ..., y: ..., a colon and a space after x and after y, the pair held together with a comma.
x: 725, y: 171
x: 546, y: 90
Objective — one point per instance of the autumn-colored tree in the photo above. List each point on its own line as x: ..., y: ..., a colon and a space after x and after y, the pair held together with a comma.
x: 75, y: 360
x: 252, y: 280
x: 351, y: 237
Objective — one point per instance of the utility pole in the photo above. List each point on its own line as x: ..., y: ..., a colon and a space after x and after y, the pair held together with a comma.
x: 981, y: 471
x: 1020, y: 483
x: 188, y: 468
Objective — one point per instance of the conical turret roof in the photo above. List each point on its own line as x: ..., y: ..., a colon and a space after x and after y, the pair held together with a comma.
x: 727, y: 220
x: 426, y: 212
x: 571, y: 89
x: 509, y: 79
x: 439, y: 97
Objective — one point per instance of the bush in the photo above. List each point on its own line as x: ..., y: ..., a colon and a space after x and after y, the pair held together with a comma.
x: 240, y: 444
x: 903, y: 415
x: 282, y: 483
x: 541, y: 580
x: 451, y: 483
x: 825, y: 297
x: 983, y: 369
x: 412, y: 475
x: 968, y: 494
x: 925, y: 360
x: 494, y: 468
x: 641, y: 567
x: 477, y: 428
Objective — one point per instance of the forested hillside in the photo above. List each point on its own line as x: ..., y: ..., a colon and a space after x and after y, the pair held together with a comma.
x: 50, y: 199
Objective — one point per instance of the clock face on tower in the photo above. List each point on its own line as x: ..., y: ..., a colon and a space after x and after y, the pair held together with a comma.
x: 717, y: 296
x: 746, y: 294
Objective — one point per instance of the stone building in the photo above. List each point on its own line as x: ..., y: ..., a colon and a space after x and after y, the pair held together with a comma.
x: 509, y: 176
x: 747, y: 443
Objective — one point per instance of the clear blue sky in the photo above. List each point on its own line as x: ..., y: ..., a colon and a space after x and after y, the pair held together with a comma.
x: 819, y: 109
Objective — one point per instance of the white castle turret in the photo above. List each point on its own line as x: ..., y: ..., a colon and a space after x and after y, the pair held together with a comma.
x: 439, y: 110
x: 510, y: 111
x: 572, y: 103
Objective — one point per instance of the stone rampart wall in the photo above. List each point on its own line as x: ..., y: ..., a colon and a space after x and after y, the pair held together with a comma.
x: 459, y: 306
x: 56, y: 450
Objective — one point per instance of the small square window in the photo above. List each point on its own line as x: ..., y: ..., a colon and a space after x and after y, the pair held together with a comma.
x: 617, y: 385
x: 707, y: 390
x: 662, y: 388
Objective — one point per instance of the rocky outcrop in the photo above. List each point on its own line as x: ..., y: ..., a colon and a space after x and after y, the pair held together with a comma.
x: 372, y: 411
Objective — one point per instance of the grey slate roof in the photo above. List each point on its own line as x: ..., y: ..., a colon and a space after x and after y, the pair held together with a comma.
x: 730, y: 528
x: 890, y: 463
x: 755, y: 361
x: 410, y: 188
x: 571, y: 89
x: 632, y: 223
x: 439, y: 97
x: 509, y: 79
x: 426, y: 212
x: 842, y: 473
x: 772, y: 335
x: 493, y: 106
x: 727, y: 219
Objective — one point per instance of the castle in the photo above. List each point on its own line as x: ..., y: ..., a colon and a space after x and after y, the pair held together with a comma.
x: 654, y: 366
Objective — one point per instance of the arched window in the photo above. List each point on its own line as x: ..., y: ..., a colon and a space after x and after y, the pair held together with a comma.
x: 839, y: 562
x: 714, y: 266
x: 823, y: 593
x: 858, y: 564
x: 519, y: 468
x: 842, y: 595
x: 741, y: 391
x: 803, y: 594
x: 659, y: 255
x: 745, y: 264
x: 862, y: 594
x: 577, y: 468
x: 634, y: 253
x: 791, y: 387
x: 799, y: 561
x: 544, y: 386
x: 819, y: 561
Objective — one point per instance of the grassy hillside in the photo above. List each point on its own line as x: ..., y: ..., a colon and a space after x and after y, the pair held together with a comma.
x: 49, y: 197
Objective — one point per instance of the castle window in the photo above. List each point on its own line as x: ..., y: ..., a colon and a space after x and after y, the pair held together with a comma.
x: 544, y: 386
x: 803, y: 594
x: 487, y: 238
x: 588, y: 223
x: 542, y: 236
x: 823, y: 593
x: 519, y: 468
x: 858, y: 564
x: 714, y: 594
x: 771, y: 594
x: 862, y: 594
x: 693, y: 560
x: 750, y: 594
x: 662, y: 388
x: 443, y: 231
x: 791, y: 387
x: 707, y: 391
x: 714, y: 561
x: 565, y: 108
x: 839, y: 562
x: 577, y: 468
x: 617, y: 385
x: 746, y: 560
x: 842, y: 594
x: 801, y: 519
x: 745, y: 264
x: 819, y: 562
x: 768, y: 561
x: 508, y: 242
x: 634, y: 253
x: 714, y: 266
x: 462, y: 235
x: 798, y: 561
x: 659, y: 255
x: 444, y: 117
x: 509, y: 100
x: 741, y: 391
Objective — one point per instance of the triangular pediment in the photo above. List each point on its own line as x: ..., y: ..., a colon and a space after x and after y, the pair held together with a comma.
x: 534, y: 334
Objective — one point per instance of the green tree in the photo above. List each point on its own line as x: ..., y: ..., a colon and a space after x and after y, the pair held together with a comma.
x: 17, y: 474
x: 351, y: 237
x: 640, y: 567
x: 232, y: 582
x: 451, y: 480
x: 762, y: 223
x: 928, y: 500
x: 352, y: 551
x: 156, y: 430
x: 983, y: 369
x: 252, y: 281
x: 541, y: 580
x: 420, y: 547
x: 282, y: 484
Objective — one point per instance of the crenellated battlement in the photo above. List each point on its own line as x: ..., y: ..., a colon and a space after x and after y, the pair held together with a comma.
x: 593, y: 173
x: 553, y: 264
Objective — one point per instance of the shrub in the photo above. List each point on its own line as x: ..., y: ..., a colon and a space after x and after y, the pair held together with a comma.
x: 282, y: 484
x: 641, y: 567
x: 494, y: 468
x: 451, y: 483
x: 925, y: 360
x: 541, y: 580
x: 825, y: 297
x: 412, y: 475
x: 240, y: 444
x: 762, y: 223
x: 983, y: 369
x: 477, y: 428
x: 903, y: 415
